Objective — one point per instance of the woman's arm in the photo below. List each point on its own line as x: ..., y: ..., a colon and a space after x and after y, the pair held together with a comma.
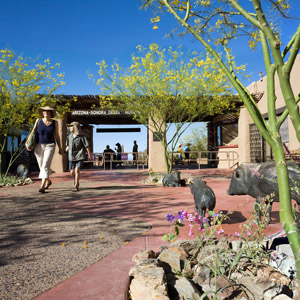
x: 57, y: 138
x: 88, y: 149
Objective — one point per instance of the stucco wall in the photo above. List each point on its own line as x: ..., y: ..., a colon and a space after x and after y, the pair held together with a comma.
x: 245, y: 120
x: 156, y: 160
x: 59, y: 162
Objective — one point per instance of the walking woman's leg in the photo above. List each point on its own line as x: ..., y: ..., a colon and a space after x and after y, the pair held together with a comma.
x: 45, y: 171
x: 39, y: 154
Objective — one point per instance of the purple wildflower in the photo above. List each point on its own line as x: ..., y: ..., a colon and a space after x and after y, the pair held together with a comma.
x: 180, y: 216
x: 170, y: 217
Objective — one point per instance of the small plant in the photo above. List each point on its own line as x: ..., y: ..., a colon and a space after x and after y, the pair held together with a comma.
x: 215, y: 245
x: 10, y: 180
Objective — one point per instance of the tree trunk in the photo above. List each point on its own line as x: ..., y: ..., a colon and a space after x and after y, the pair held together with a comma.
x: 286, y: 216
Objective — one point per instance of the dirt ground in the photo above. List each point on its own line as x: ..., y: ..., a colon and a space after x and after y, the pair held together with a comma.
x: 41, y: 245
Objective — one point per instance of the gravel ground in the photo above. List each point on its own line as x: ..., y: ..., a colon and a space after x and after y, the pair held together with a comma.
x: 41, y: 246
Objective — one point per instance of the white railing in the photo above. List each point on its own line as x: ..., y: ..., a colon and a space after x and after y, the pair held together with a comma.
x: 228, y: 159
x: 223, y: 159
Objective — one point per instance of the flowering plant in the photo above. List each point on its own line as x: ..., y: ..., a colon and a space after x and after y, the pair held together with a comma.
x: 249, y: 239
x: 205, y: 226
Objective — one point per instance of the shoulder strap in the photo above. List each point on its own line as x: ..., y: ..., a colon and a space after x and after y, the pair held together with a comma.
x: 34, y: 128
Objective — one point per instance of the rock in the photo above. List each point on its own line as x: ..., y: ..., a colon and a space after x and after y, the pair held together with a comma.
x: 224, y: 243
x: 190, y: 247
x: 269, y: 272
x: 226, y: 289
x: 296, y: 289
x: 202, y: 274
x: 173, y: 257
x: 169, y: 275
x: 142, y: 255
x: 186, y: 289
x: 257, y: 287
x: 282, y: 297
x: 145, y: 264
x: 149, y: 284
x: 284, y: 263
x: 236, y: 245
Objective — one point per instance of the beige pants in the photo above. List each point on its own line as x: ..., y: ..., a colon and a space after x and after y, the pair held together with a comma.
x: 44, y: 154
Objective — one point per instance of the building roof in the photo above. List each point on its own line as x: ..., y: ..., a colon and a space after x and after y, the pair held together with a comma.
x: 85, y: 109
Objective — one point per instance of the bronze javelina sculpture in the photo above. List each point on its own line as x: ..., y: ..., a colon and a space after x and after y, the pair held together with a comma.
x: 204, y: 196
x: 259, y: 180
x: 173, y: 180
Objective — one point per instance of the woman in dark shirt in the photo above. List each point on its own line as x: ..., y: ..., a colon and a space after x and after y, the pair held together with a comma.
x: 47, y: 135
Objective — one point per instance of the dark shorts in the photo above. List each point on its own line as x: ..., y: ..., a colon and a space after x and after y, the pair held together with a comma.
x: 75, y: 164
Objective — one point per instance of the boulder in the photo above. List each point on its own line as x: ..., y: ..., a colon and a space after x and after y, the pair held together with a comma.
x: 173, y: 258
x: 186, y: 289
x: 149, y: 284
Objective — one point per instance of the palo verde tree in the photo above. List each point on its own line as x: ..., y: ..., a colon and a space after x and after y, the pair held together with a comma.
x: 24, y: 86
x: 161, y: 88
x: 215, y: 23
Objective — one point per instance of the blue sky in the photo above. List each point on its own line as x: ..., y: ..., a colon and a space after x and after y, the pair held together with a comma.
x: 78, y: 34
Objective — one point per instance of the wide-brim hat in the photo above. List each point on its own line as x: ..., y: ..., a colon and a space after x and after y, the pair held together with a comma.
x: 48, y: 108
x: 76, y: 126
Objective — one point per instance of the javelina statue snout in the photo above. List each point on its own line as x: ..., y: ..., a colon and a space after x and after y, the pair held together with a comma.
x: 259, y: 180
x: 204, y: 196
x: 173, y: 180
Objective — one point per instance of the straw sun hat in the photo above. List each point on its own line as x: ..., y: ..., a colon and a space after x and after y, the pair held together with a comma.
x: 47, y: 108
x: 76, y: 126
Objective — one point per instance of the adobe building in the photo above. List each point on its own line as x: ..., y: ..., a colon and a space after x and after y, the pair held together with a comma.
x: 242, y: 134
x: 233, y: 139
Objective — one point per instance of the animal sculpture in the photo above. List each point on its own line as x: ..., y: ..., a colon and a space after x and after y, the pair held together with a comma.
x: 259, y: 180
x: 173, y: 180
x: 22, y: 171
x: 204, y: 196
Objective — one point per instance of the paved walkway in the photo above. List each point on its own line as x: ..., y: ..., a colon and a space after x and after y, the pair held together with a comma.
x: 107, y: 278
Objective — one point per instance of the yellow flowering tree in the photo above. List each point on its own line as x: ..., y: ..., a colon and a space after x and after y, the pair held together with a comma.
x: 215, y: 24
x: 24, y: 86
x: 164, y: 87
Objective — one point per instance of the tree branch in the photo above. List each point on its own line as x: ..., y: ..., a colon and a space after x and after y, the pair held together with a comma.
x: 294, y: 51
x: 246, y: 14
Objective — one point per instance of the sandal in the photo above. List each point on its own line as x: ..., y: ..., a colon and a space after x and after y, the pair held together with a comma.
x: 48, y: 184
x: 76, y: 188
x: 42, y: 190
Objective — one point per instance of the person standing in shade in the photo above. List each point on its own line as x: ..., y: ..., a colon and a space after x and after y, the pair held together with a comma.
x: 187, y: 152
x: 108, y: 156
x: 179, y: 151
x: 119, y: 151
x: 47, y: 134
x: 135, y: 152
x: 77, y: 146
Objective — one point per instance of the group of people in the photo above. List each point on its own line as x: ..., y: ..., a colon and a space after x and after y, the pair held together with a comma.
x: 77, y: 145
x: 47, y: 135
x: 186, y: 152
x: 109, y: 154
